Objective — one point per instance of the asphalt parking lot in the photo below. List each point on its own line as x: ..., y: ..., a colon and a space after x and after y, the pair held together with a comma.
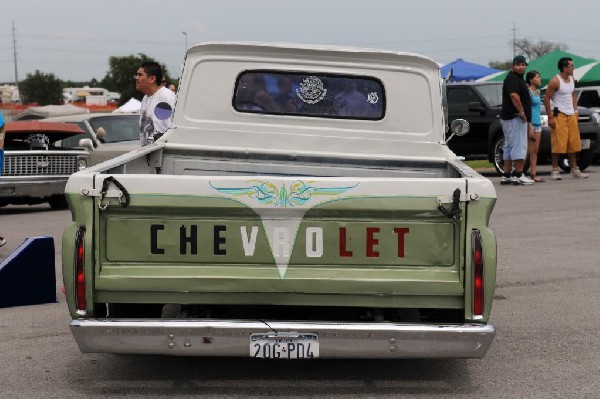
x: 545, y: 311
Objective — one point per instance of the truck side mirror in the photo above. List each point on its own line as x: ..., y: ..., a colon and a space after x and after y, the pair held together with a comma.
x: 458, y: 127
x: 87, y: 144
x: 476, y: 107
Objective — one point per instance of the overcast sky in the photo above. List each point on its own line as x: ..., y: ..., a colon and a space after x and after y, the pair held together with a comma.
x: 73, y: 39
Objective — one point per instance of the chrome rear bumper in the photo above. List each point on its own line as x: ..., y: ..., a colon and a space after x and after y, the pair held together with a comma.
x: 232, y: 338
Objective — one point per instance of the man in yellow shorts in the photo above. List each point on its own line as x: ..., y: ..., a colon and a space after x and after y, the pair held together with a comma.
x: 561, y: 106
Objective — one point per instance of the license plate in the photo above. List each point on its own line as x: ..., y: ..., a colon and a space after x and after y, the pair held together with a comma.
x: 585, y: 144
x: 284, y: 346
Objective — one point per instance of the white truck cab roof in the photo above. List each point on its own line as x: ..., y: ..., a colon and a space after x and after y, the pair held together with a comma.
x: 397, y: 101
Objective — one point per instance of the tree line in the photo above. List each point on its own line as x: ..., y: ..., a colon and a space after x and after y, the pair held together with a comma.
x: 531, y: 50
x: 46, y: 88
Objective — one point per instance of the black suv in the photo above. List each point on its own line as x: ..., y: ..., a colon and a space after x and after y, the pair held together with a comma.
x: 480, y: 104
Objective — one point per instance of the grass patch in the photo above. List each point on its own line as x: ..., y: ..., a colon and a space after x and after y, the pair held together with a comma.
x: 479, y: 164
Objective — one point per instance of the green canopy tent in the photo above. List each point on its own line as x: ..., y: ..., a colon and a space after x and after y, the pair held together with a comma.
x: 588, y: 75
x: 546, y: 65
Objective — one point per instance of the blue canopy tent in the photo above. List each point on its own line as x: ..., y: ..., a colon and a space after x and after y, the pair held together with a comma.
x: 465, y: 71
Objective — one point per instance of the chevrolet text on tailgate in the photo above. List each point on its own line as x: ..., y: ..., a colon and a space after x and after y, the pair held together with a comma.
x: 304, y: 204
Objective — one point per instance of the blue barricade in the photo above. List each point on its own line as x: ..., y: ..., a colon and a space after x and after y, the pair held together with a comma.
x: 27, y: 275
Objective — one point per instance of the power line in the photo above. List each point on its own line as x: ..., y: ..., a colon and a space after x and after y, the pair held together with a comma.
x: 15, y: 52
x: 436, y: 40
x: 95, y: 39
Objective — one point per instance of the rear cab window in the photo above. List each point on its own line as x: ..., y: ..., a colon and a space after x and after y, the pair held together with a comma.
x: 309, y: 94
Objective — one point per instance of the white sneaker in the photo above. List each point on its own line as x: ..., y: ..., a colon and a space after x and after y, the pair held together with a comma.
x: 577, y: 174
x: 2, y: 241
x: 524, y: 180
x: 555, y: 175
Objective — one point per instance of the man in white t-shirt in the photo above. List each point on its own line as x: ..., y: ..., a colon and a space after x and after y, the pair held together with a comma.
x: 156, y: 112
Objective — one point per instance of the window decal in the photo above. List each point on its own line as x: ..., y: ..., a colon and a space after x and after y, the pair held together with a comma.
x: 311, y: 90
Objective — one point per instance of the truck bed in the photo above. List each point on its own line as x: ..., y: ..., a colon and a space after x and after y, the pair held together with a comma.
x: 169, y: 160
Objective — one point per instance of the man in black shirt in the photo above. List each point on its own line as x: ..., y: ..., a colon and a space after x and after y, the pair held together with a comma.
x: 515, y: 119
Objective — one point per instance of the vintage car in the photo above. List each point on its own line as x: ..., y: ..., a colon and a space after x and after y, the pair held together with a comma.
x: 106, y: 135
x: 34, y: 169
x: 304, y: 204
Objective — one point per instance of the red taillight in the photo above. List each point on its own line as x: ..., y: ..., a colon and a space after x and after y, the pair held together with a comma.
x: 477, y: 267
x: 80, y: 301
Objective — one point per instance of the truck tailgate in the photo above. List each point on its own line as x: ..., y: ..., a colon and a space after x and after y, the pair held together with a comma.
x: 234, y: 240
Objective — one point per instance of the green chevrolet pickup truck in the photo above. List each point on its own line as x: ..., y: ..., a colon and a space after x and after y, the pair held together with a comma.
x: 303, y: 205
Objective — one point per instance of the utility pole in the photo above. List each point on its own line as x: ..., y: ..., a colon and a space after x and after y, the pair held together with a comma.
x: 514, y: 41
x: 184, y: 33
x: 15, y: 52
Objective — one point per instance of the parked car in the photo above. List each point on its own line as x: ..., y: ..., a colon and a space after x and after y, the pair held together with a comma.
x: 480, y: 104
x: 589, y: 131
x: 589, y: 97
x: 35, y: 170
x: 106, y: 135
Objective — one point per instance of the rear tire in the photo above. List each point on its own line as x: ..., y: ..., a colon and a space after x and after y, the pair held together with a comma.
x: 498, y: 151
x: 584, y: 159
